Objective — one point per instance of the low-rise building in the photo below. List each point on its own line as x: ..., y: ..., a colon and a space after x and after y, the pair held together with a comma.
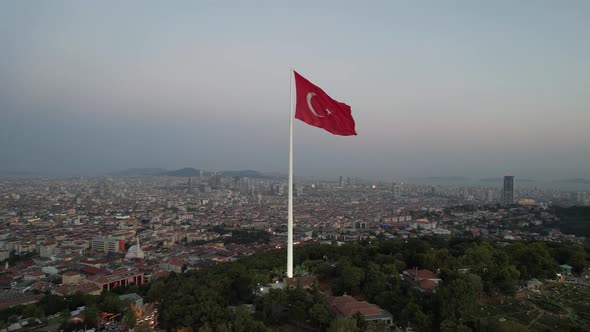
x: 117, y: 279
x: 71, y: 278
x: 424, y: 280
x: 346, y: 306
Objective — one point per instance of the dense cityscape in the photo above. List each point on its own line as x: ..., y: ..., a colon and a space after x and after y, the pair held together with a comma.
x: 93, y: 235
x: 349, y: 166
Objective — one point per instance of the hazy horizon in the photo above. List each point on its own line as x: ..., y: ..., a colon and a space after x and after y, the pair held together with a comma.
x: 475, y: 90
x: 567, y: 184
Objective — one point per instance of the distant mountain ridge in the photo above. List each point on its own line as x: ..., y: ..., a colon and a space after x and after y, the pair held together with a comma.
x: 192, y: 172
x: 13, y: 173
x: 183, y: 172
x: 248, y: 174
x: 139, y: 172
x: 574, y: 181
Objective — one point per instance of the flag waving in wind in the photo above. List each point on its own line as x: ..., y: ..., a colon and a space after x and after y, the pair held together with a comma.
x: 316, y: 108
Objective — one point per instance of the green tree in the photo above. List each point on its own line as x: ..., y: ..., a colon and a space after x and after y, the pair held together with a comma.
x: 571, y: 254
x: 320, y: 314
x: 507, y: 280
x: 394, y: 301
x: 378, y: 326
x: 533, y: 260
x: 323, y: 271
x: 32, y: 310
x: 205, y: 328
x: 53, y: 304
x: 143, y: 327
x: 343, y: 325
x: 111, y: 303
x: 361, y: 322
x: 129, y: 318
x: 65, y: 316
x: 300, y: 271
x: 375, y: 281
x: 350, y: 278
x: 156, y: 291
x: 480, y: 260
x: 242, y: 319
x: 297, y: 303
x: 79, y: 300
x: 256, y: 326
x: 389, y: 270
x: 391, y: 273
x: 450, y: 325
x: 90, y: 316
x: 492, y: 325
x: 413, y: 313
x: 438, y: 259
x: 225, y: 327
x: 458, y: 296
x: 274, y: 306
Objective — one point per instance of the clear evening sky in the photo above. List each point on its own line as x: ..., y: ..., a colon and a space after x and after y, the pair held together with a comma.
x: 437, y: 88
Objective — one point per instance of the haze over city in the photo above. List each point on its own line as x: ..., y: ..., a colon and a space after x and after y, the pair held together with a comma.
x: 315, y: 166
x: 468, y: 89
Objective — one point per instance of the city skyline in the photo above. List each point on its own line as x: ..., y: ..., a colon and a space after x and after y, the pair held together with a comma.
x: 432, y: 176
x: 125, y: 238
x: 493, y: 181
x: 478, y: 90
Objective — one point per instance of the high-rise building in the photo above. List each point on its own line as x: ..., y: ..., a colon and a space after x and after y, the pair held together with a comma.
x: 395, y: 189
x: 490, y: 196
x: 277, y: 189
x: 297, y: 189
x: 108, y: 244
x: 341, y: 181
x: 508, y: 191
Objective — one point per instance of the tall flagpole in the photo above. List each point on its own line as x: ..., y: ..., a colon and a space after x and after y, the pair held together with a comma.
x: 290, y: 204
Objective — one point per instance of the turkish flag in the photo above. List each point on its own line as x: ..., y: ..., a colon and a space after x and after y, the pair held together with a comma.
x: 316, y: 108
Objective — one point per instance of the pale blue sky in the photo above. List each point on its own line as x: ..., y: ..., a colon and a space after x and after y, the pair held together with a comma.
x: 474, y: 88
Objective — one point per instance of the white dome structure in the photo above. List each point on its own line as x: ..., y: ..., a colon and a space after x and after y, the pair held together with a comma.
x: 135, y: 251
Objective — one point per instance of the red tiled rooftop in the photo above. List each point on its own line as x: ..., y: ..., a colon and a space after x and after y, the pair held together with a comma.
x: 301, y: 281
x: 427, y: 284
x: 175, y: 262
x: 422, y: 274
x: 42, y: 286
x: 91, y: 270
x: 427, y: 274
x: 347, y: 306
x: 86, y: 287
x: 365, y: 308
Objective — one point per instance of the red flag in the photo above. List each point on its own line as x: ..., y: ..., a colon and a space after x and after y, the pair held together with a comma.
x: 316, y: 108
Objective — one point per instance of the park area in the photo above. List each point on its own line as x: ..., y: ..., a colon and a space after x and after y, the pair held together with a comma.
x: 558, y: 306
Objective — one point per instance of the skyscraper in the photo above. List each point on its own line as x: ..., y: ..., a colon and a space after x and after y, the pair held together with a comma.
x: 395, y: 189
x: 490, y: 196
x: 508, y: 191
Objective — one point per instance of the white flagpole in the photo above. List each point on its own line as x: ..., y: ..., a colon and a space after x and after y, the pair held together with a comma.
x: 290, y: 204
